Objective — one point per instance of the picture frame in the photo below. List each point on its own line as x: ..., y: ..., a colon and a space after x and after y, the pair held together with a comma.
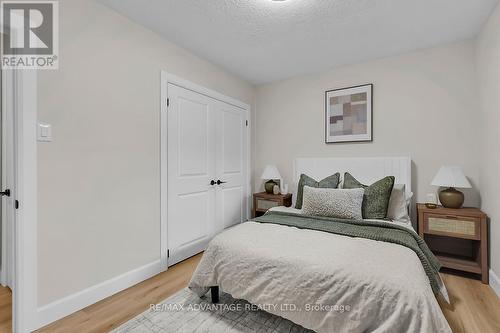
x: 349, y: 114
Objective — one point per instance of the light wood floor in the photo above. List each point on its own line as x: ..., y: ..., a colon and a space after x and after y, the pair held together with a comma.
x: 5, y: 310
x: 475, y: 307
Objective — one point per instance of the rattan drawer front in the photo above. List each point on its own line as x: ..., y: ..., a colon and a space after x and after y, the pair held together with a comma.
x: 455, y: 226
x: 266, y: 204
x: 463, y: 227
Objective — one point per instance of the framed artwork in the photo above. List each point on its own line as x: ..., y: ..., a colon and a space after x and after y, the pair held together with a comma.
x: 348, y: 114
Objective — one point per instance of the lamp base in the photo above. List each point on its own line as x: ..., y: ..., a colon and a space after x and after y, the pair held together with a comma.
x: 451, y: 198
x: 269, y: 185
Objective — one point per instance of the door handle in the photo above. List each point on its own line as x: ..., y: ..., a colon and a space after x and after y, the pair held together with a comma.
x: 5, y: 193
x: 219, y: 182
x: 212, y: 182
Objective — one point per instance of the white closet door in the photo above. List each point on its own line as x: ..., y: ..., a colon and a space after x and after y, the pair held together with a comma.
x: 230, y: 165
x: 191, y: 167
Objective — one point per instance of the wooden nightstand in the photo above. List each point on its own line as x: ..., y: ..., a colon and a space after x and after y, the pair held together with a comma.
x: 263, y: 201
x: 458, y: 237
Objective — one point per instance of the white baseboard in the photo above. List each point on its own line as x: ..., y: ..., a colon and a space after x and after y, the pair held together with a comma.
x: 72, y: 303
x: 495, y: 282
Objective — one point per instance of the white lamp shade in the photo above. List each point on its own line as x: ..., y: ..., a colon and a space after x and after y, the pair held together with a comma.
x: 271, y: 172
x: 451, y: 176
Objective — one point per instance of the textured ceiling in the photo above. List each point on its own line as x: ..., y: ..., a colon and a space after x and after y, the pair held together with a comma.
x: 264, y: 40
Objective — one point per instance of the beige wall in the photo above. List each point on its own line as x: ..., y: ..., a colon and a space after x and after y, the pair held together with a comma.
x: 488, y: 61
x: 99, y: 180
x: 425, y: 105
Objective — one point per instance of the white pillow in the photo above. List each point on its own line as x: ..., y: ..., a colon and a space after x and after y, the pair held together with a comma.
x: 398, y: 208
x: 340, y: 203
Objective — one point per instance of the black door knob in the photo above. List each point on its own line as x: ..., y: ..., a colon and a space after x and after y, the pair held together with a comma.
x: 212, y: 182
x: 219, y: 182
x: 5, y: 193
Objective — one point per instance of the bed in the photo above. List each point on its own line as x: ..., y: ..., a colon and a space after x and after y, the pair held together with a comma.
x: 327, y: 282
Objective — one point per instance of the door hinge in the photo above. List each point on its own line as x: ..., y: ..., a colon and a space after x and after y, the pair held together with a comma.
x: 16, y: 204
x: 246, y: 122
x: 168, y: 102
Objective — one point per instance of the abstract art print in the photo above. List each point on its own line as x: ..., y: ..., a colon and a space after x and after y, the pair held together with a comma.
x: 348, y: 114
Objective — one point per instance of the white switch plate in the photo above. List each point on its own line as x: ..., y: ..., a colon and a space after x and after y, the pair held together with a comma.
x: 44, y: 132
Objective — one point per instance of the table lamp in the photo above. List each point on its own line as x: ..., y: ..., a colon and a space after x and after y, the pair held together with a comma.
x: 451, y: 177
x: 270, y: 174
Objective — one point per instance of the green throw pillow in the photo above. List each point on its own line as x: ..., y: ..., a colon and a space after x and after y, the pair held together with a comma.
x: 329, y: 182
x: 376, y: 198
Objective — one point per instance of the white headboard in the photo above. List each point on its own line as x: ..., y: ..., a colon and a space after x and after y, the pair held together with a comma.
x: 365, y: 169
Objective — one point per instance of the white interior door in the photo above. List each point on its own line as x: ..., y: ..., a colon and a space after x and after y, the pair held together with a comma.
x: 191, y: 168
x: 206, y: 169
x: 230, y: 166
x: 7, y: 181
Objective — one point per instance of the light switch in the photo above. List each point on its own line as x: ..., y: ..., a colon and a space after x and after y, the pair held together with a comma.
x: 44, y: 132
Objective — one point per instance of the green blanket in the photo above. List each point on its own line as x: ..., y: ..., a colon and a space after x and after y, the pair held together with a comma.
x: 379, y: 231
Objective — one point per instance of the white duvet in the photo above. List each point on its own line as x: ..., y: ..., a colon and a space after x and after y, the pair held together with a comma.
x: 322, y: 281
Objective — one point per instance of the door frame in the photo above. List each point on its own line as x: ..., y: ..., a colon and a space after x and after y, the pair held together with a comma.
x: 22, y: 102
x: 25, y: 293
x: 7, y: 273
x: 167, y: 78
